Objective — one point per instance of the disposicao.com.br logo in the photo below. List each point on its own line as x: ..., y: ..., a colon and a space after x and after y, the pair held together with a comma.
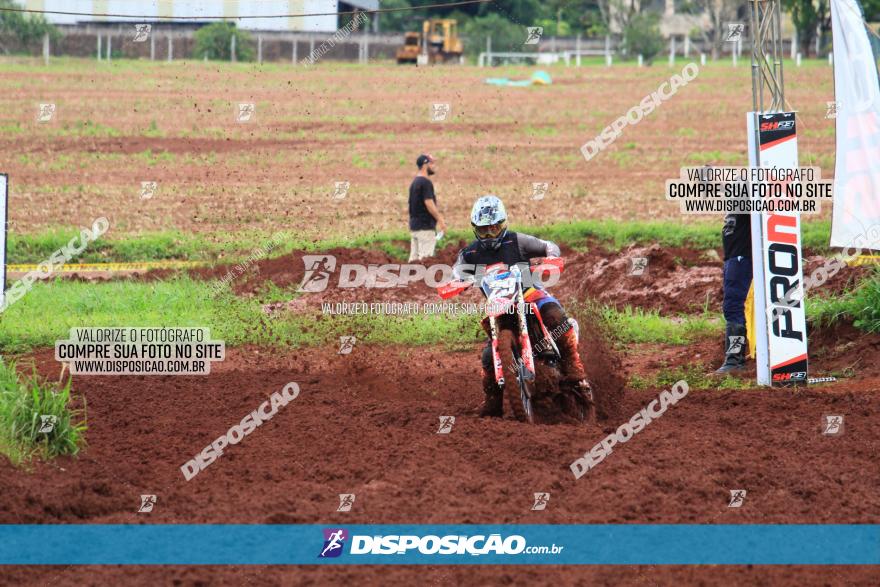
x: 452, y: 544
x: 319, y: 271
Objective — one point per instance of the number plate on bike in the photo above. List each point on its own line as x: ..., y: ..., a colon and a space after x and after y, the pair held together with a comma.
x: 500, y: 289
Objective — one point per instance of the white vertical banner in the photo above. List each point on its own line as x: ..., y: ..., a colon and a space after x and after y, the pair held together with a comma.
x: 780, y: 317
x: 856, y: 197
x: 4, y: 219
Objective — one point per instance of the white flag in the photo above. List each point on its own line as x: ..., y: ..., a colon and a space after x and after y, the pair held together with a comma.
x: 856, y: 215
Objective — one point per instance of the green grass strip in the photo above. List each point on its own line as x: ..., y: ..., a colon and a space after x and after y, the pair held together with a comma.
x: 25, y: 404
x: 861, y: 306
x: 177, y: 245
x: 50, y: 309
x: 635, y: 325
x: 698, y: 376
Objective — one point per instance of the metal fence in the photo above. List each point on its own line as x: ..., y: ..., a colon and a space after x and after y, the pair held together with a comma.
x: 167, y: 43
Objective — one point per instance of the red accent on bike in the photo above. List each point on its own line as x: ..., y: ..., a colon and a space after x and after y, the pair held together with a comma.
x: 496, y: 267
x: 499, y: 307
x: 528, y: 359
x: 544, y: 330
x: 549, y: 265
x: 496, y: 359
x: 452, y: 289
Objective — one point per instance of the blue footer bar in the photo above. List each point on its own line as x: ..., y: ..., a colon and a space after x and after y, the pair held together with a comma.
x: 627, y: 544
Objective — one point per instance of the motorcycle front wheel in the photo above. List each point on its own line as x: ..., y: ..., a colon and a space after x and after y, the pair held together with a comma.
x: 517, y: 390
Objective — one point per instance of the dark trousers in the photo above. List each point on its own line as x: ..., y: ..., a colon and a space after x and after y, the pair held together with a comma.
x: 737, y: 280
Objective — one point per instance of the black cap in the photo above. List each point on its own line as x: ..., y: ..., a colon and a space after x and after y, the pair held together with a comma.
x: 423, y: 159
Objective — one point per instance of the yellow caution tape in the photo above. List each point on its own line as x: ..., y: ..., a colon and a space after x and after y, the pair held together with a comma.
x: 864, y: 260
x: 109, y: 267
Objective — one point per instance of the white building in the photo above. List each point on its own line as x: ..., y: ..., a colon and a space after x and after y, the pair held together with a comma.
x: 196, y: 12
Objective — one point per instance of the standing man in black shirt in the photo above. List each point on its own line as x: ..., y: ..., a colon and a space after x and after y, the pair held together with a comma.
x: 424, y: 217
x: 736, y: 237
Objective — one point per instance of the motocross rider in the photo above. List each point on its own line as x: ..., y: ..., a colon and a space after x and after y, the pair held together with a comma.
x: 496, y: 244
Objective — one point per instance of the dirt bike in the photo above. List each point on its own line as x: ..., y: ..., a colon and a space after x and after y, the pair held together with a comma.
x: 525, y: 355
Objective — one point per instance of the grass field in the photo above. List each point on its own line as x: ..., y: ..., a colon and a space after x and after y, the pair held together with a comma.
x: 119, y: 124
x: 366, y: 420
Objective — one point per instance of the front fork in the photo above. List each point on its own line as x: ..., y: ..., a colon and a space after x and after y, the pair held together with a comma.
x: 526, y: 364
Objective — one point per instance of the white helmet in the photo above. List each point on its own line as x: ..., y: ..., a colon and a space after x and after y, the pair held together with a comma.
x: 489, y: 220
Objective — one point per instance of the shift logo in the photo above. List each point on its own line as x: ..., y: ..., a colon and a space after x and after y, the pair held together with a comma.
x: 318, y: 270
x: 793, y: 376
x: 334, y: 542
x: 777, y: 125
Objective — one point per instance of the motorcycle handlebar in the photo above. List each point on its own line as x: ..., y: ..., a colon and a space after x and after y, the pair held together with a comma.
x: 541, y: 264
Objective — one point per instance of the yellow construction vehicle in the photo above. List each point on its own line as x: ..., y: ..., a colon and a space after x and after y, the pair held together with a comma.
x: 437, y: 43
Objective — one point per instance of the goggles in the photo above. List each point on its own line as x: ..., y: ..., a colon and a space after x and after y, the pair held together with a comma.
x: 491, y: 231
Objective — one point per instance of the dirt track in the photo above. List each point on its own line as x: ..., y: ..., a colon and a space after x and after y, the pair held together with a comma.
x: 366, y: 424
x: 675, y: 280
